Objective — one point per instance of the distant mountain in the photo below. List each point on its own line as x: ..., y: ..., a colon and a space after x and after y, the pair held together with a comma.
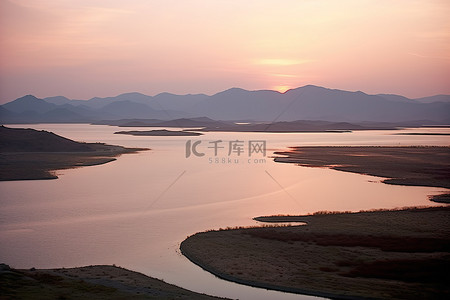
x: 182, y: 122
x: 397, y: 98
x: 305, y: 103
x: 167, y: 101
x: 317, y: 103
x: 239, y: 104
x: 293, y: 126
x: 29, y: 103
x: 97, y: 102
x: 58, y: 100
x: 62, y: 115
x: 128, y: 109
x: 30, y: 109
x: 437, y: 98
x: 206, y: 124
x: 192, y: 123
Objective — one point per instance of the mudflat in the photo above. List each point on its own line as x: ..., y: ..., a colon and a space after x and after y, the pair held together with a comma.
x: 91, y: 282
x: 375, y: 255
x: 411, y: 165
x: 399, y: 254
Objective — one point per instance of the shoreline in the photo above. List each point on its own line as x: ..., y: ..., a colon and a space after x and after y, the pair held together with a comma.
x: 379, y: 254
x: 89, y: 282
x: 51, y: 176
x: 29, y: 154
x: 427, y: 166
x: 16, y: 166
x: 328, y: 251
x: 261, y: 285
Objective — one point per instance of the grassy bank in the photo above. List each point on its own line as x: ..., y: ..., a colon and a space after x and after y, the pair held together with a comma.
x: 93, y: 282
x: 380, y: 254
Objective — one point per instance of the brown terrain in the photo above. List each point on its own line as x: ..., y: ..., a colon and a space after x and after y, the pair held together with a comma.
x: 31, y: 154
x: 92, y: 282
x: 368, y: 255
x: 412, y: 165
x: 400, y: 254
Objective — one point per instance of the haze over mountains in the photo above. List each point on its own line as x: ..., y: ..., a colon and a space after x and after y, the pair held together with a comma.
x: 304, y: 103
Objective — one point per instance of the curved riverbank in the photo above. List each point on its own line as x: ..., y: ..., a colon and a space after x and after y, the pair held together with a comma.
x: 400, y: 165
x: 90, y: 282
x: 368, y: 255
x: 185, y: 250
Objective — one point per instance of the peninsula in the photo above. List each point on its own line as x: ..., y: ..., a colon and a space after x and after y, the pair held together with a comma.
x: 367, y: 255
x: 400, y: 165
x: 27, y: 154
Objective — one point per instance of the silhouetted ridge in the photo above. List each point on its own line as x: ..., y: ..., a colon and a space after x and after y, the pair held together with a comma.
x: 30, y: 140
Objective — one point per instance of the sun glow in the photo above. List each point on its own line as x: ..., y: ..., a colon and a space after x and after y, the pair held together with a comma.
x: 282, y: 62
x: 84, y: 48
x: 281, y: 88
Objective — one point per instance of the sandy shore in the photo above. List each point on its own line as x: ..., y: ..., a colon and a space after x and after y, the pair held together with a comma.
x: 92, y: 282
x: 376, y: 255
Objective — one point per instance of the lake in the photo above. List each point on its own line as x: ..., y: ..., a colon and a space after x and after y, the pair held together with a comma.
x: 135, y: 211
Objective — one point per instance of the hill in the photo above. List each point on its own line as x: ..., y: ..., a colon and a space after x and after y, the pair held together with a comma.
x: 31, y: 154
x: 304, y: 103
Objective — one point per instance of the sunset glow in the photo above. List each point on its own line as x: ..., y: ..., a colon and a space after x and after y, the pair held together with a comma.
x: 188, y: 140
x: 281, y: 88
x: 81, y: 49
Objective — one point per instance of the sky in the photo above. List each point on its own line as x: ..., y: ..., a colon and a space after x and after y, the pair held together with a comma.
x: 86, y: 48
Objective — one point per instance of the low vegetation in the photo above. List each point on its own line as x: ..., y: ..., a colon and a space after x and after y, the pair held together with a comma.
x: 392, y: 254
x: 93, y: 282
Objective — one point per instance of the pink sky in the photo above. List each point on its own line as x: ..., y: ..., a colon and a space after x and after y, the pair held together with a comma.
x: 86, y: 48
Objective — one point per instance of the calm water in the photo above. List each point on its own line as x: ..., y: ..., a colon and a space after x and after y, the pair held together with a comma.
x: 134, y: 212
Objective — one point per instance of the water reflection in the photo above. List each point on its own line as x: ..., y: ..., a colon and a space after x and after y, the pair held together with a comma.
x: 135, y: 211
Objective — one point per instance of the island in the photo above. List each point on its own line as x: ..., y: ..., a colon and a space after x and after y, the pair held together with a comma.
x: 90, y: 282
x: 162, y: 132
x: 299, y: 126
x: 27, y: 154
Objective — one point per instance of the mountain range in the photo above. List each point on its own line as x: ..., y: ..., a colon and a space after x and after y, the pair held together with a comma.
x: 304, y: 103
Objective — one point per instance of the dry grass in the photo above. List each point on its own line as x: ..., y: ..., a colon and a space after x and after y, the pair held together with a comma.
x: 93, y: 282
x: 379, y: 254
